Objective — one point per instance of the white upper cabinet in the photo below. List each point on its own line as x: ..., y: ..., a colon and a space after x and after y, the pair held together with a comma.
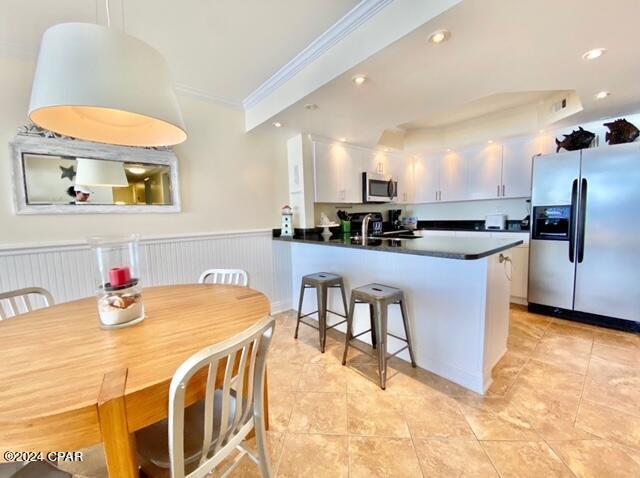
x: 490, y: 171
x: 337, y: 173
x: 401, y: 169
x: 484, y: 169
x: 325, y: 167
x: 376, y: 162
x: 426, y: 179
x: 351, y: 175
x: 517, y: 158
x: 453, y: 178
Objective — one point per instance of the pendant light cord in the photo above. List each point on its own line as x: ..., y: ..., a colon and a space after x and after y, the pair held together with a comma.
x: 108, y: 14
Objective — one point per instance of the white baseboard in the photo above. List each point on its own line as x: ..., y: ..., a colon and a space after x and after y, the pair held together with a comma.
x: 280, y: 306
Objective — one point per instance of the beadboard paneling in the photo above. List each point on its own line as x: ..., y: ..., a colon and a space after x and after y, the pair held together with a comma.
x: 67, y: 270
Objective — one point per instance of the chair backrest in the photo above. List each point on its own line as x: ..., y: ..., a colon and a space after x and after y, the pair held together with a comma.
x: 243, y: 359
x: 16, y: 302
x: 224, y: 276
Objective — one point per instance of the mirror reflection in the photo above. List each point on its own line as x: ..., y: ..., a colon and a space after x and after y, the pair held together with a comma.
x: 52, y: 180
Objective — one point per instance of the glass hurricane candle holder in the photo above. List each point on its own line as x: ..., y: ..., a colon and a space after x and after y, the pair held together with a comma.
x: 119, y: 290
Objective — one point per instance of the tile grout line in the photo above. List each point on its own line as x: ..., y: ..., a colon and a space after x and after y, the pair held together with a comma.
x: 584, y: 384
x: 478, y: 441
x: 412, y: 438
x: 279, y: 461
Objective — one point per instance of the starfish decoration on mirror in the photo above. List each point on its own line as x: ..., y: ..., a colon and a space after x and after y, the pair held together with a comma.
x: 67, y: 172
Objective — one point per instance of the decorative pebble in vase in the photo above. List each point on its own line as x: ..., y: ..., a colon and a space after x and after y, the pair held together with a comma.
x: 119, y: 289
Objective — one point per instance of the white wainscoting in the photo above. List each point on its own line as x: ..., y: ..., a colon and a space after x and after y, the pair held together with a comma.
x: 67, y: 269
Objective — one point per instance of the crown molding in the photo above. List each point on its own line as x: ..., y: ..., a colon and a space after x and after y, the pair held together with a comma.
x: 362, y: 12
x: 205, y: 95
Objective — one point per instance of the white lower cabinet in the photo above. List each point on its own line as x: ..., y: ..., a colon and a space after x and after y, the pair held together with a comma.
x: 519, y: 274
x: 519, y: 265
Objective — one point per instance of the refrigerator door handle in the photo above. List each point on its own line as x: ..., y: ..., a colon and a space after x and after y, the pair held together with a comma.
x: 582, y: 219
x: 572, y: 225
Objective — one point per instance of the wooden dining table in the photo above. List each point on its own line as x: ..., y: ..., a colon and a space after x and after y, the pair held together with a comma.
x: 67, y: 384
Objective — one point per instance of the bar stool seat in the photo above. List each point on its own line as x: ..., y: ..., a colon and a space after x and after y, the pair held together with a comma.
x: 322, y: 282
x: 379, y: 297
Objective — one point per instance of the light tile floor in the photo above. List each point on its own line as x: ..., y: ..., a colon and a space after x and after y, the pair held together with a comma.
x: 565, y: 401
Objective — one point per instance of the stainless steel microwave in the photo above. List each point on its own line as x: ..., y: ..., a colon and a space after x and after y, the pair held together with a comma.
x: 379, y: 188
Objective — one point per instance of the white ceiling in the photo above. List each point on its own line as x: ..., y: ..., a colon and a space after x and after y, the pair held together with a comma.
x: 497, y: 47
x: 478, y: 108
x: 222, y: 48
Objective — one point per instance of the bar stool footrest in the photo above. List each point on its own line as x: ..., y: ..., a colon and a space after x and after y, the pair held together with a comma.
x: 310, y: 325
x: 336, y: 324
x: 358, y: 335
x: 396, y: 337
x: 397, y: 352
x: 336, y: 313
x: 318, y: 328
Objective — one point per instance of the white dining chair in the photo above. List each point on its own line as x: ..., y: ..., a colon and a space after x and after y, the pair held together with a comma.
x: 18, y: 301
x: 194, y: 440
x: 224, y: 276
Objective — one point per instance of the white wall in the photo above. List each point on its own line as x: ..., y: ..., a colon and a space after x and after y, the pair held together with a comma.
x: 470, y: 210
x: 230, y: 180
x: 466, y: 210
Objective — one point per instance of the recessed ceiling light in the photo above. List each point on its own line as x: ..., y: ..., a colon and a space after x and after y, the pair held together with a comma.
x: 277, y: 124
x: 439, y: 36
x: 342, y: 140
x: 593, y: 54
x: 490, y: 141
x: 602, y: 94
x: 359, y: 79
x: 386, y: 150
x: 448, y: 150
x: 311, y: 106
x: 136, y: 170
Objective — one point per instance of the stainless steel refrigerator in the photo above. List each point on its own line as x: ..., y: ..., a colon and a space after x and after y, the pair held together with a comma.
x: 585, y: 235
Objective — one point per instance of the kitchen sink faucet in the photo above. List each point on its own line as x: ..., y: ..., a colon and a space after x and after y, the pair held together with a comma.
x: 365, y: 226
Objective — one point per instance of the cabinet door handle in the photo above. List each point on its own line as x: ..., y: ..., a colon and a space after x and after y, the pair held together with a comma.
x: 436, y: 195
x: 503, y: 190
x: 498, y: 191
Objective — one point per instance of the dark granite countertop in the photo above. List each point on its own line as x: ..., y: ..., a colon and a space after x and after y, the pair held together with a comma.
x: 463, y: 248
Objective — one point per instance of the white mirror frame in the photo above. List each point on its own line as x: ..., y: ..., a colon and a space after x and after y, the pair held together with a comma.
x: 45, y: 143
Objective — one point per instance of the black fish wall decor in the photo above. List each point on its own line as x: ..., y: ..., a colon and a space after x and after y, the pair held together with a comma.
x: 577, y: 139
x: 621, y: 131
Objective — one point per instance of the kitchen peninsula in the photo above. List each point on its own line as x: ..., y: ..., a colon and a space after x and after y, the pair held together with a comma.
x: 457, y: 291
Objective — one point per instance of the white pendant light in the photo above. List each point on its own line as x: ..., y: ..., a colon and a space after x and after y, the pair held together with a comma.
x: 100, y: 84
x: 99, y: 172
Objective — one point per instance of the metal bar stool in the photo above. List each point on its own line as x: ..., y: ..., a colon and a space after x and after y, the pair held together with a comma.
x: 321, y: 282
x: 379, y: 297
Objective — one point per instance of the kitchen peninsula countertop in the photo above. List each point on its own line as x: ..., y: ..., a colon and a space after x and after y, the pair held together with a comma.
x: 463, y: 248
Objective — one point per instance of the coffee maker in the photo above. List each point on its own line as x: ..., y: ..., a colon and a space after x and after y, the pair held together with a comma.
x: 394, y: 219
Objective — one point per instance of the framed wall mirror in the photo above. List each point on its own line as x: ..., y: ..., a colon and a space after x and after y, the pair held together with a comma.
x: 46, y: 180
